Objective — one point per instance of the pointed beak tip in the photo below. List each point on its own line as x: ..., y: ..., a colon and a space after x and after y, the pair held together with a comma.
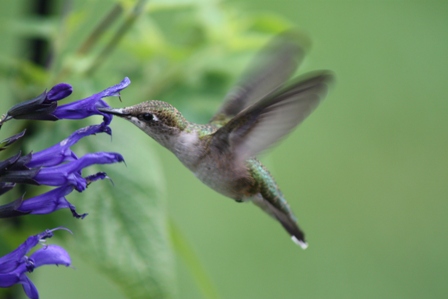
x: 113, y: 111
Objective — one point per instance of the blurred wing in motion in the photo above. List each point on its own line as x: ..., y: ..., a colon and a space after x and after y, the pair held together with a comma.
x: 267, y: 121
x: 267, y: 72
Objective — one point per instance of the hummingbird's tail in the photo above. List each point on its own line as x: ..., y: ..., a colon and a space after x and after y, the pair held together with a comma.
x: 287, y: 221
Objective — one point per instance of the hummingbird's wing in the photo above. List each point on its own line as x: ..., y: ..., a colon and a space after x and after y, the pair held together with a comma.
x: 259, y: 126
x: 269, y: 69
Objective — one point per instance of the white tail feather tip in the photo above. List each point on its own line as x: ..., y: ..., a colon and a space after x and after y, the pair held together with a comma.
x: 302, y: 244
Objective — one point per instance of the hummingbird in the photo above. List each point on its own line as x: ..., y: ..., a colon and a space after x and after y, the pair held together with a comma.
x: 256, y: 113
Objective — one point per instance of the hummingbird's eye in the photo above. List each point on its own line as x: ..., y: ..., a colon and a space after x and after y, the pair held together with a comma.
x: 146, y: 116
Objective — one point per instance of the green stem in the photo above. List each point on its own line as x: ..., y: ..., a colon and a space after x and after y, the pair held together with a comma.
x: 186, y: 252
x: 116, y: 38
x: 94, y: 37
x: 102, y: 27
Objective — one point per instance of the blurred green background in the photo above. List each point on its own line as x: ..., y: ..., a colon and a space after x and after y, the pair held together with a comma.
x: 366, y: 174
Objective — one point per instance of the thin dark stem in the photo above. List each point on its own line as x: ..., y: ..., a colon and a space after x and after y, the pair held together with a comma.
x: 95, y: 36
x: 116, y: 38
x: 102, y: 27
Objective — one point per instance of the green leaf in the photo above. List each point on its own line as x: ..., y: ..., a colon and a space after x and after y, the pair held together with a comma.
x: 125, y: 234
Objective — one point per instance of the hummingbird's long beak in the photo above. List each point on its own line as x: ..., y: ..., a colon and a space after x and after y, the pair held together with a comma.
x: 114, y: 111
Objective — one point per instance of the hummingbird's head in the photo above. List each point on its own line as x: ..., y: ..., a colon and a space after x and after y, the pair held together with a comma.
x: 158, y: 119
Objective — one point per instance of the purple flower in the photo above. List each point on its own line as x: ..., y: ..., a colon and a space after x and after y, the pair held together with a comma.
x: 47, y: 167
x: 48, y: 203
x: 56, y: 166
x: 67, y: 177
x: 14, y: 265
x: 44, y: 106
x: 89, y: 106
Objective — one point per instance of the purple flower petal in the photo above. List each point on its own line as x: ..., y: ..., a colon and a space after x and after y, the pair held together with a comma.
x: 115, y: 90
x: 9, y: 279
x: 59, y: 92
x: 48, y: 202
x: 70, y: 173
x: 51, y: 255
x: 12, y: 259
x: 61, y: 152
x: 29, y: 288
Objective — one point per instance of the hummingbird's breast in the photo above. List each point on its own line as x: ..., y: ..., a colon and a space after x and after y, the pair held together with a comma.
x: 223, y: 176
x: 215, y: 169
